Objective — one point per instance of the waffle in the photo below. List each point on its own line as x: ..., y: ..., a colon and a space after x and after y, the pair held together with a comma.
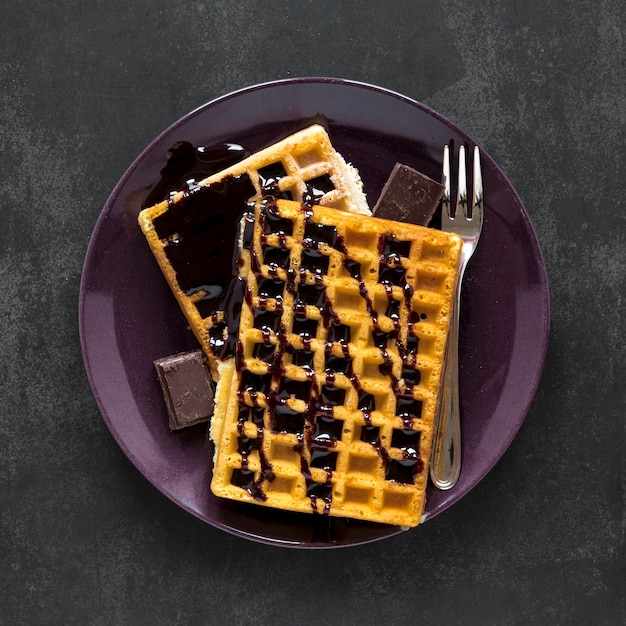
x: 329, y: 405
x: 194, y: 234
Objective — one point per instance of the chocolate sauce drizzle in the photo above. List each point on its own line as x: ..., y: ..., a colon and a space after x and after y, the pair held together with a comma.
x: 317, y: 429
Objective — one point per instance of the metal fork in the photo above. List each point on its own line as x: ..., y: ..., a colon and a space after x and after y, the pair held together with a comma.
x: 466, y: 221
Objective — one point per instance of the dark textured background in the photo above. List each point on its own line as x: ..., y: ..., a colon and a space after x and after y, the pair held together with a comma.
x: 85, y: 85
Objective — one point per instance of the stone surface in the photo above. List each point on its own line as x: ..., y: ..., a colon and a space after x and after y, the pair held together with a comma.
x: 84, y: 538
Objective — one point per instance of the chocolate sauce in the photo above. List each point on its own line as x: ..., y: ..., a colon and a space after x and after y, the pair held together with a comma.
x: 332, y: 396
x: 201, y: 231
x: 255, y: 382
x: 222, y: 336
x: 276, y: 257
x: 188, y: 165
x: 252, y: 414
x: 244, y: 477
x: 264, y: 352
x: 366, y: 402
x: 327, y: 430
x: 304, y: 326
x: 302, y: 358
x: 315, y: 233
x: 314, y: 262
x: 403, y: 471
x: 319, y: 187
x: 299, y: 389
x: 323, y: 458
x: 407, y: 440
x: 370, y: 434
x: 287, y: 420
x: 312, y: 295
x: 270, y: 175
x: 392, y: 248
x: 411, y: 376
x: 339, y: 333
x: 408, y: 409
x: 266, y: 320
x: 269, y: 288
x: 339, y: 365
x: 274, y: 224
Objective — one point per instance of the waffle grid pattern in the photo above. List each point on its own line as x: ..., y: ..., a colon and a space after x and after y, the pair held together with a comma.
x: 302, y: 167
x: 341, y: 344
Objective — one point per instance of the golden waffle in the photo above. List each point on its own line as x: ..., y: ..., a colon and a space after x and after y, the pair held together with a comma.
x: 194, y: 234
x: 329, y: 405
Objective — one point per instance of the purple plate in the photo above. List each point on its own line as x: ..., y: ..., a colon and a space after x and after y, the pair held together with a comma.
x: 128, y: 317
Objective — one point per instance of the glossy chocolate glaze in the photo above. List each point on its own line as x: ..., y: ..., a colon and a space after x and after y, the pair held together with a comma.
x: 187, y: 165
x: 201, y: 232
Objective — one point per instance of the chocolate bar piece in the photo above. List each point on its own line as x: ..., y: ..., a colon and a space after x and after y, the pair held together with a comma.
x: 187, y: 388
x: 408, y: 196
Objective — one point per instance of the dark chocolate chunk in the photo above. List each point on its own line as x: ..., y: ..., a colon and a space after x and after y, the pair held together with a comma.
x: 408, y: 196
x: 187, y: 388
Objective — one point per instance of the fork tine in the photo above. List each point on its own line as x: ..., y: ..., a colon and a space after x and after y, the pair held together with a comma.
x: 445, y: 200
x: 477, y: 182
x: 461, y: 195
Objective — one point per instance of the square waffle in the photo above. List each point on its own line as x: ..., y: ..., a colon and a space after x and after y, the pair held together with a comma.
x: 194, y: 234
x: 329, y: 405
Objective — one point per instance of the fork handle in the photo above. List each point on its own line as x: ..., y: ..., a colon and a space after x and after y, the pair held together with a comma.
x: 446, y: 457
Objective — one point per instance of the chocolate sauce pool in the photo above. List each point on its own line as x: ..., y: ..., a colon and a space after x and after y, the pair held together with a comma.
x: 187, y: 165
x: 202, y: 228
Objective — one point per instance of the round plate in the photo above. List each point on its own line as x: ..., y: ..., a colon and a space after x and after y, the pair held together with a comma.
x: 128, y: 317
